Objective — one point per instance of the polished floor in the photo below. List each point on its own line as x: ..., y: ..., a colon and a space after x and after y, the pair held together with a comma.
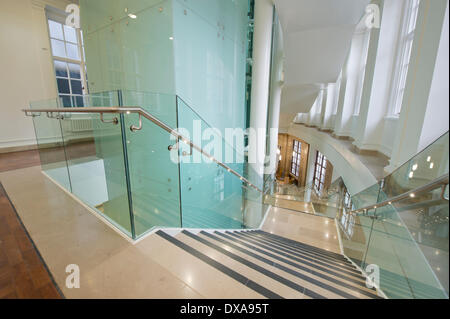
x: 66, y: 232
x: 23, y: 274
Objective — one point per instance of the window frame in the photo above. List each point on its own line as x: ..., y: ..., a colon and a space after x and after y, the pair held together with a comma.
x: 58, y: 16
x: 320, y: 171
x: 296, y: 158
x: 404, y: 52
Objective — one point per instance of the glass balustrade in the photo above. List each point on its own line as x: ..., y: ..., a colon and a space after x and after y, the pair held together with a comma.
x: 144, y: 178
x: 407, y: 239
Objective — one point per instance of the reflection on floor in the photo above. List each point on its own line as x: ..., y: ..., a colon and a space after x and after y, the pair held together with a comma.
x: 111, y: 267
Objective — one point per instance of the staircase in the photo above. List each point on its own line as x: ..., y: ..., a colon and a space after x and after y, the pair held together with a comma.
x: 271, y: 266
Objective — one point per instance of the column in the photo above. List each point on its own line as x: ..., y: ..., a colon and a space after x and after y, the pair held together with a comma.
x: 262, y: 48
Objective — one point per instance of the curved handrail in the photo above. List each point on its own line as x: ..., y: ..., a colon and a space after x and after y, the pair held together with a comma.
x: 148, y: 116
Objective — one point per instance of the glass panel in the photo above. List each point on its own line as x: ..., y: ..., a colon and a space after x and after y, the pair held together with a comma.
x: 58, y: 48
x: 72, y: 51
x: 77, y: 101
x: 61, y: 69
x: 203, y: 209
x: 76, y: 87
x: 66, y: 101
x: 70, y: 34
x: 50, y: 144
x: 409, y: 243
x: 154, y: 176
x: 55, y: 30
x: 95, y: 158
x: 161, y: 106
x: 423, y: 168
x: 63, y: 86
x: 74, y: 70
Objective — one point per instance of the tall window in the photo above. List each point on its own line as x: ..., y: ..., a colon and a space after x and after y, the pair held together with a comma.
x: 362, y: 70
x: 405, y: 54
x: 68, y: 59
x: 320, y: 172
x: 296, y: 158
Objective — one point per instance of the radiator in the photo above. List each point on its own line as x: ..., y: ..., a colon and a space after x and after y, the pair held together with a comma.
x: 81, y: 125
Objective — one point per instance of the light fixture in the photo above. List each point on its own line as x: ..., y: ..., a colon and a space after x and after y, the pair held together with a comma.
x: 431, y: 165
x: 428, y: 158
x: 411, y: 174
x: 278, y: 151
x: 412, y: 195
x: 132, y: 16
x: 415, y: 166
x: 171, y: 38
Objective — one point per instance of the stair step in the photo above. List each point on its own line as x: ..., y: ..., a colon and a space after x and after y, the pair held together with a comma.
x: 276, y: 287
x: 301, y: 245
x: 333, y: 285
x: 255, y: 264
x: 271, y: 272
x: 189, y: 264
x: 311, y: 254
x: 302, y: 256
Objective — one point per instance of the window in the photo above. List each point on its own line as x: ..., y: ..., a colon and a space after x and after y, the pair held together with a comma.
x: 68, y: 59
x: 405, y: 55
x: 320, y: 172
x: 347, y: 200
x: 296, y: 158
x: 362, y: 71
x: 347, y: 220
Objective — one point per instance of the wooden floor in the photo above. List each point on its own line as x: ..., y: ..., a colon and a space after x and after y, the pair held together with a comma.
x: 23, y: 273
x: 17, y: 160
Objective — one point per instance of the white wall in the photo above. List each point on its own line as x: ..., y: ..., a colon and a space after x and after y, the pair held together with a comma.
x: 436, y: 117
x: 355, y: 174
x: 26, y: 67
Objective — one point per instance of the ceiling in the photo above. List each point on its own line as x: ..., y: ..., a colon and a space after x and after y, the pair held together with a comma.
x: 317, y: 36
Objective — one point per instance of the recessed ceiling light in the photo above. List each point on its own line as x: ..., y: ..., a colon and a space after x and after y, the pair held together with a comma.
x: 132, y: 16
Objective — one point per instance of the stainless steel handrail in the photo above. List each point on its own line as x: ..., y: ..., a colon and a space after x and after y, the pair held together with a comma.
x: 147, y: 115
x: 441, y: 181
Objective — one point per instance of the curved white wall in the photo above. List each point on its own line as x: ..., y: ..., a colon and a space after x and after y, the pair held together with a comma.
x: 355, y: 174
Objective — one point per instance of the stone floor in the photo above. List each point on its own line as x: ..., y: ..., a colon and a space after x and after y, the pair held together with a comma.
x: 65, y: 232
